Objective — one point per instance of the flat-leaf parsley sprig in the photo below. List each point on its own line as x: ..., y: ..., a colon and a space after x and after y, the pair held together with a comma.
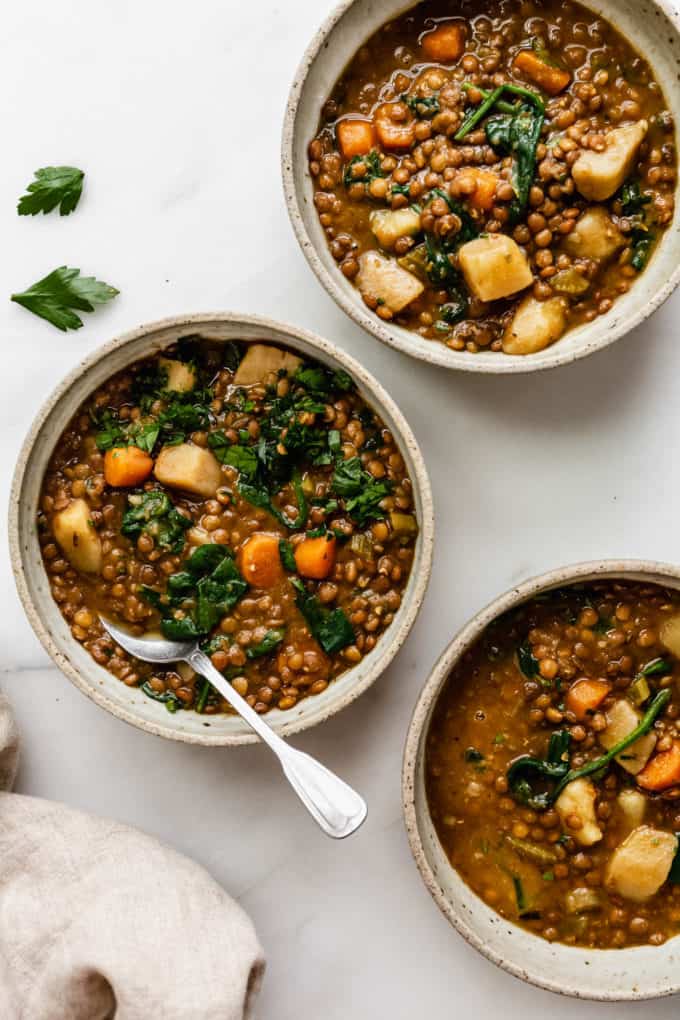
x: 60, y: 292
x: 53, y: 186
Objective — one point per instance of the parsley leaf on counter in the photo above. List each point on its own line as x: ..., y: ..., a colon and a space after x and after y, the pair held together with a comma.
x: 53, y: 186
x: 57, y: 294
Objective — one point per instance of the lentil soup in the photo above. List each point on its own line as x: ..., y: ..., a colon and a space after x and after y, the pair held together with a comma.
x: 490, y: 181
x: 237, y: 495
x: 552, y: 765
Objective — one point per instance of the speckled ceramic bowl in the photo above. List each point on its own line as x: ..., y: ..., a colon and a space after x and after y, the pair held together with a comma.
x: 654, y: 28
x: 644, y: 972
x: 33, y: 586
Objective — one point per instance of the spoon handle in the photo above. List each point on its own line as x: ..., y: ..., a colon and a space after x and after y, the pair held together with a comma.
x: 334, y: 805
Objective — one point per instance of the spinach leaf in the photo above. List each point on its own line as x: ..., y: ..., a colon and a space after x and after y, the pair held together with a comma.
x: 321, y: 381
x: 287, y: 556
x: 243, y: 458
x: 643, y: 241
x: 153, y: 513
x: 267, y: 645
x: 423, y: 107
x: 207, y: 590
x: 657, y: 667
x: 330, y: 627
x: 632, y: 199
x: 555, y: 773
x: 518, y: 135
x: 167, y: 698
x: 528, y: 663
x: 674, y: 873
x: 113, y: 432
x: 373, y: 169
x: 361, y: 492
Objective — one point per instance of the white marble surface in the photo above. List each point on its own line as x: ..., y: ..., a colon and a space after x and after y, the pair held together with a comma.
x: 183, y: 212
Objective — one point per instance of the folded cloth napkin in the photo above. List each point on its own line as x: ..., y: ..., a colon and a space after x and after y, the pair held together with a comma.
x: 99, y: 921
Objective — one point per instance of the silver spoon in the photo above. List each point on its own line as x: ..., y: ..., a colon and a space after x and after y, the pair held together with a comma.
x: 334, y: 805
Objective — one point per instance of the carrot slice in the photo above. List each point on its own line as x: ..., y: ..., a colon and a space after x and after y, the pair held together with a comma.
x: 585, y: 696
x: 315, y: 557
x: 355, y: 137
x: 662, y: 771
x: 444, y: 44
x: 552, y: 80
x: 394, y: 133
x: 486, y: 182
x: 126, y: 465
x: 259, y: 560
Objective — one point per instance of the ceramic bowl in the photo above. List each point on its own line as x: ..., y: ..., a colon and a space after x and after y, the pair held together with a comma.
x: 644, y: 972
x: 654, y: 27
x: 32, y: 582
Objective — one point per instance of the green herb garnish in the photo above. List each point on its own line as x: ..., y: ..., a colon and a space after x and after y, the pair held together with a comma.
x: 153, y: 513
x: 330, y: 627
x: 55, y: 297
x: 167, y: 698
x: 53, y: 186
x: 269, y: 643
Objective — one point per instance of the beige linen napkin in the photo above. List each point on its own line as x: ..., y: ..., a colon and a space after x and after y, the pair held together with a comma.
x: 98, y: 920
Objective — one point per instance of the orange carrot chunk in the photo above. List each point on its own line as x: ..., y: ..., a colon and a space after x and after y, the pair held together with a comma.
x: 355, y: 137
x: 662, y: 771
x: 552, y: 80
x: 259, y: 560
x: 586, y: 696
x: 126, y: 465
x: 315, y: 557
x: 486, y: 182
x: 444, y: 44
x: 394, y: 128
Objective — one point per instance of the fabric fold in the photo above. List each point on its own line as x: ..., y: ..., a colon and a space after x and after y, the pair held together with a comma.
x: 98, y: 920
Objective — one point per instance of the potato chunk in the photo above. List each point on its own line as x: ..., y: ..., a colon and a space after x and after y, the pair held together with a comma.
x: 577, y: 800
x: 595, y: 236
x: 181, y: 377
x: 669, y: 634
x: 535, y: 325
x: 494, y: 267
x: 382, y: 279
x: 75, y: 533
x: 622, y: 719
x: 597, y: 175
x: 639, y: 866
x: 632, y: 805
x: 190, y: 468
x: 389, y: 225
x: 261, y: 361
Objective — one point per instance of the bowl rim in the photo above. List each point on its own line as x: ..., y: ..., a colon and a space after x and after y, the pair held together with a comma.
x: 650, y: 570
x: 436, y: 353
x: 419, y: 476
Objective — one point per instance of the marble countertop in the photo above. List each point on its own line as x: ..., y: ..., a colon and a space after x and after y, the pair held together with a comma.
x: 183, y: 212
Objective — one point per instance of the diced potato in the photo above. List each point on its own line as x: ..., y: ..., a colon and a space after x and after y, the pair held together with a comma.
x: 494, y: 267
x: 181, y: 377
x: 75, y: 533
x: 632, y: 805
x: 640, y: 865
x: 190, y: 468
x: 535, y: 325
x: 389, y: 225
x: 669, y: 634
x: 582, y: 900
x: 578, y: 800
x: 622, y: 719
x: 382, y: 279
x: 597, y: 175
x: 261, y: 361
x: 595, y: 236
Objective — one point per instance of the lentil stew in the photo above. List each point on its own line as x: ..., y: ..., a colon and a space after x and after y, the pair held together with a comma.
x: 237, y: 495
x: 552, y: 765
x: 492, y: 181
